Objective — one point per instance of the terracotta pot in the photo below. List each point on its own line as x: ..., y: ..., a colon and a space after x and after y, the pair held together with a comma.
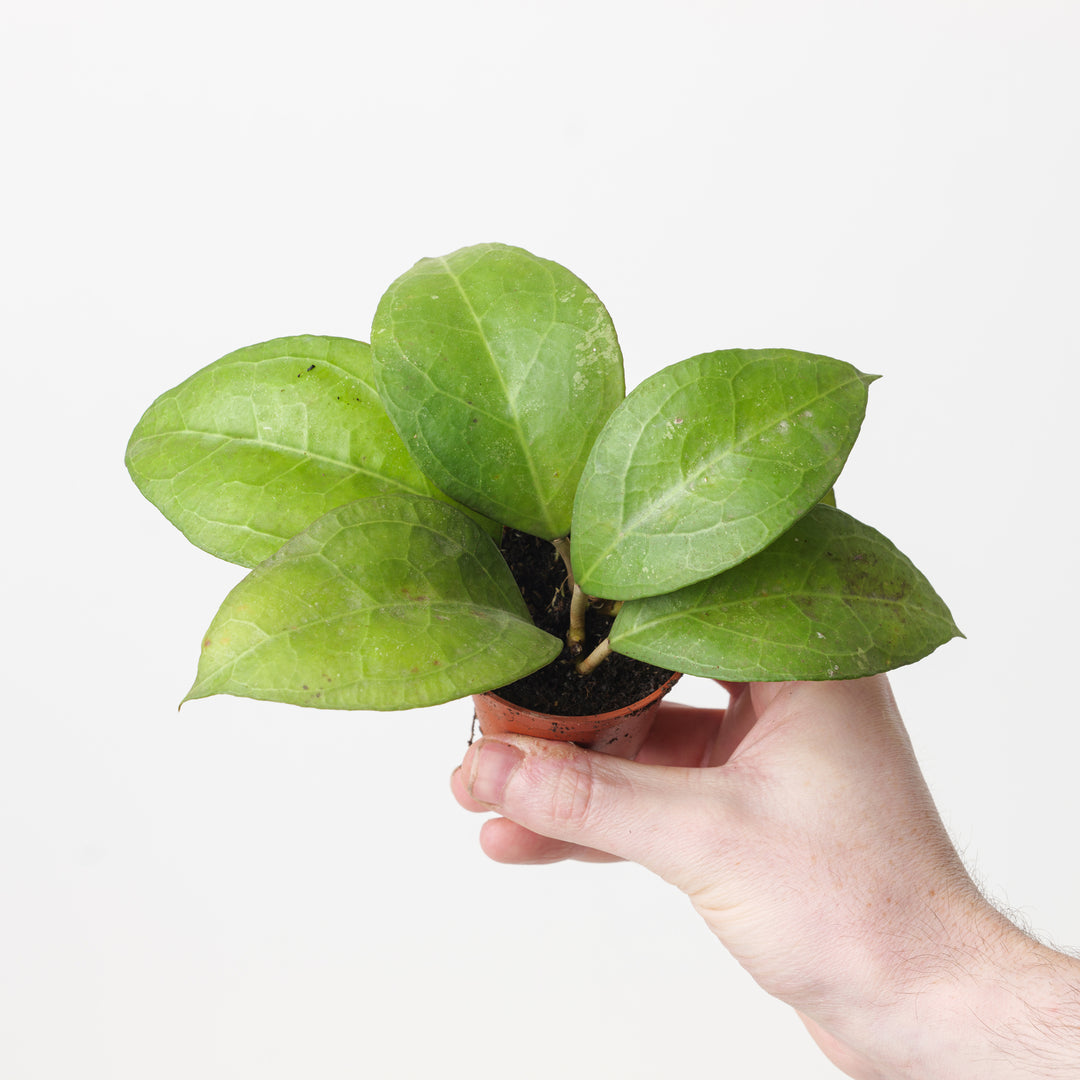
x: 620, y: 732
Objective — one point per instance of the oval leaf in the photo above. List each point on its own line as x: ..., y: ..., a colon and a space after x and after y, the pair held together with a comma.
x: 386, y: 603
x: 498, y: 369
x: 831, y: 599
x: 707, y: 462
x: 256, y: 446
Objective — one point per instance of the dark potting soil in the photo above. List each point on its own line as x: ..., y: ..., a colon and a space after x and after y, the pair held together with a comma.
x: 558, y: 688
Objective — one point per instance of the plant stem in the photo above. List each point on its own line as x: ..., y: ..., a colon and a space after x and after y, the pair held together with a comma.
x: 575, y: 636
x: 595, y: 658
x: 562, y: 546
x: 579, y: 605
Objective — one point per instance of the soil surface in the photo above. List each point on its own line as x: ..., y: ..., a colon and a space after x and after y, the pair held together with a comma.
x: 558, y: 688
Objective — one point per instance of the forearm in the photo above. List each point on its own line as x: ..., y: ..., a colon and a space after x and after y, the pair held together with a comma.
x: 999, y: 1005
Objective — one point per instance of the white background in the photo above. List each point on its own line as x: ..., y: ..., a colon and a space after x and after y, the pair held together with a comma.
x: 245, y: 889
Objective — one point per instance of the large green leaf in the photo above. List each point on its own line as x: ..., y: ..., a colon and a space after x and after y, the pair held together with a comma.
x: 831, y: 599
x: 257, y: 445
x: 498, y: 369
x: 707, y: 462
x: 385, y: 603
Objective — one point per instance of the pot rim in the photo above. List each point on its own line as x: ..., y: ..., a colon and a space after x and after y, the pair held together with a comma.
x: 596, y: 718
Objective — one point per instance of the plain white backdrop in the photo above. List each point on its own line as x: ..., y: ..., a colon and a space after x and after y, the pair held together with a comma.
x: 249, y: 890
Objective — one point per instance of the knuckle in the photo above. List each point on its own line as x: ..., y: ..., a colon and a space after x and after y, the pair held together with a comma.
x: 573, y: 794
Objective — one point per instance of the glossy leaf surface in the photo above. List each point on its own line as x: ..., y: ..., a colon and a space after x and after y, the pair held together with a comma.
x: 385, y: 603
x: 498, y: 369
x: 254, y: 447
x: 831, y: 599
x: 707, y: 462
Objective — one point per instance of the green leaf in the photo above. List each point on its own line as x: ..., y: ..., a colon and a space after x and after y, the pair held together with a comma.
x: 386, y: 603
x: 831, y: 599
x: 256, y: 446
x: 498, y: 369
x: 707, y: 462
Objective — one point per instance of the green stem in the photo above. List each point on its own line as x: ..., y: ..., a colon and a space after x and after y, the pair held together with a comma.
x: 595, y: 658
x: 562, y: 546
x: 575, y: 636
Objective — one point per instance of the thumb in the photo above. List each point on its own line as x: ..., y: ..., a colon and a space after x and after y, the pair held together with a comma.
x: 659, y: 816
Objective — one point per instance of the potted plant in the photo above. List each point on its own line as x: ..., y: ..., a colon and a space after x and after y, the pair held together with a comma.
x: 685, y: 527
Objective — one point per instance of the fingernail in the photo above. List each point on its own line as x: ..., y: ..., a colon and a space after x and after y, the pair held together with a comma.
x: 492, y: 764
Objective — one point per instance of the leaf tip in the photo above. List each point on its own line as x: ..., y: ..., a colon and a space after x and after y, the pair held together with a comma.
x: 192, y: 695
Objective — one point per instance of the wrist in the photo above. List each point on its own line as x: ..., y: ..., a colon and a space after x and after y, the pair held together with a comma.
x: 990, y: 1003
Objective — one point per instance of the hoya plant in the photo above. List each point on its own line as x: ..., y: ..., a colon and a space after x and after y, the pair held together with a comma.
x: 369, y: 486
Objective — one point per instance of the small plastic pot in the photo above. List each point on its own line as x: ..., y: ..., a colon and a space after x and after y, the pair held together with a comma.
x: 620, y: 733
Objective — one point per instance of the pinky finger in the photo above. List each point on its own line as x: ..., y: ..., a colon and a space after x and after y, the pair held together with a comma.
x: 505, y: 841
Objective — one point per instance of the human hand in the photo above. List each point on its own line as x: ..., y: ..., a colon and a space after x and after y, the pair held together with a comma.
x: 799, y: 824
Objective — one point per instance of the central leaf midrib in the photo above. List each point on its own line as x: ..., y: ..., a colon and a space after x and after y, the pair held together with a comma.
x: 673, y: 494
x: 511, y: 402
x: 698, y: 613
x: 312, y: 455
x: 268, y: 638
